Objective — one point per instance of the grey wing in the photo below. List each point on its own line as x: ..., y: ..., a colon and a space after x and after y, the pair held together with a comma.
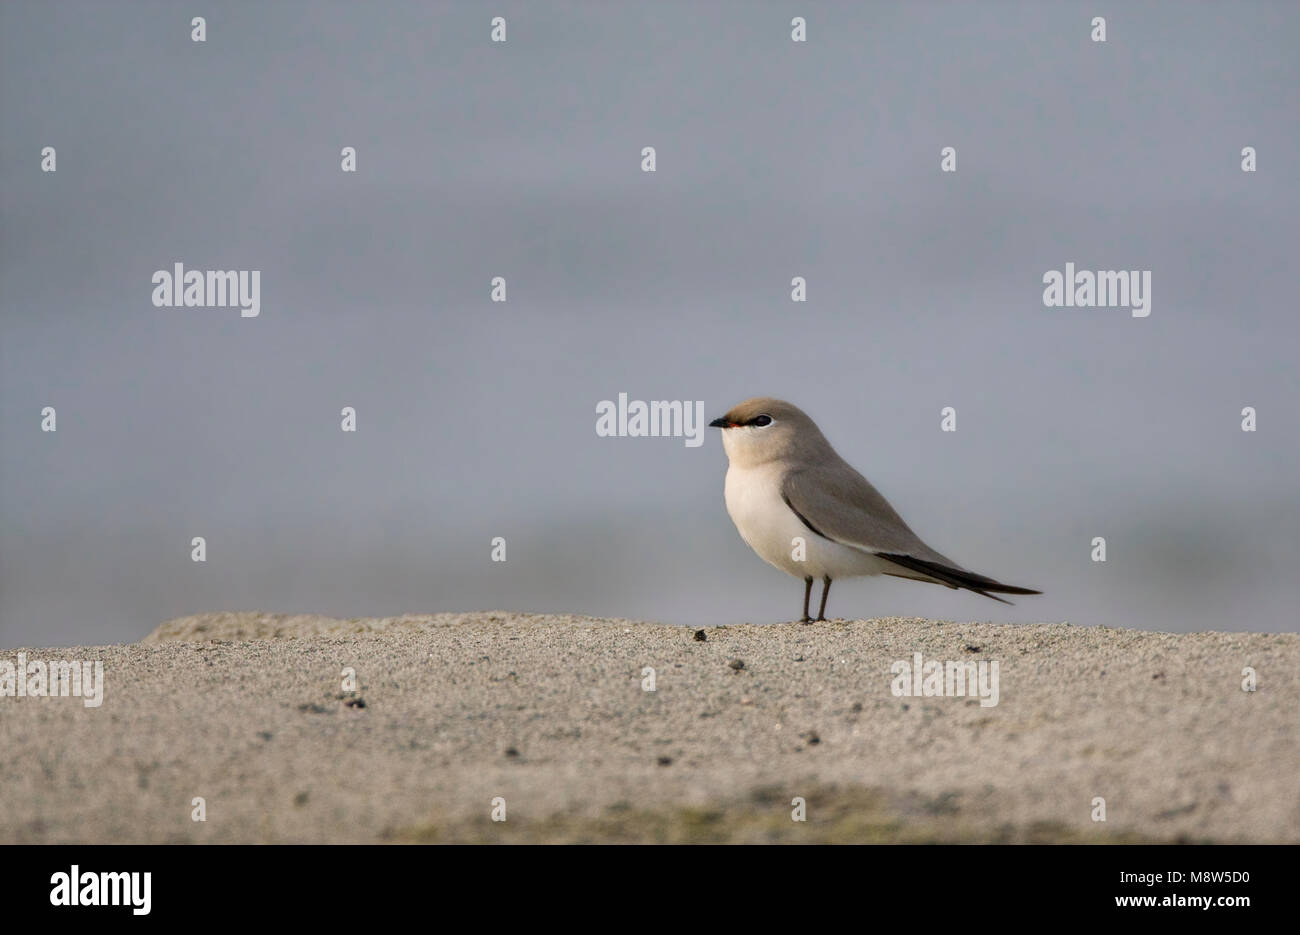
x: 840, y: 504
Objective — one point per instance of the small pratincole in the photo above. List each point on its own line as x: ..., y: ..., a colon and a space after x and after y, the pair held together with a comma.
x: 785, y: 483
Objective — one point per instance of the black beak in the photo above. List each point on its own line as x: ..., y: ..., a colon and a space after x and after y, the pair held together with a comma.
x: 720, y: 424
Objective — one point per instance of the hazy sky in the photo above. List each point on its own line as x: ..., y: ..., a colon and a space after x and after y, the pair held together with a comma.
x: 775, y: 159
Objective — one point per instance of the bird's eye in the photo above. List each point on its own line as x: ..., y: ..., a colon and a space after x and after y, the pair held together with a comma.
x: 763, y: 420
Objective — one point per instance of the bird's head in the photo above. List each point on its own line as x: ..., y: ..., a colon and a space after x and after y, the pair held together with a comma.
x: 765, y: 429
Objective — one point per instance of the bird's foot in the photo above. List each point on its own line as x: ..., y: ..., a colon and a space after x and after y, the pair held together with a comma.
x: 805, y: 619
x: 819, y: 620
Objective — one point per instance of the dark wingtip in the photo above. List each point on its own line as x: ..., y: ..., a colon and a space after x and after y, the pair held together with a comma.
x: 957, y: 578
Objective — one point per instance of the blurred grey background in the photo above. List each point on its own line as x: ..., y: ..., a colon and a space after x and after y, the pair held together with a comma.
x: 522, y: 160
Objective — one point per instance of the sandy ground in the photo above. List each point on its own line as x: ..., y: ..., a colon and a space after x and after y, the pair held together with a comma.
x: 248, y: 712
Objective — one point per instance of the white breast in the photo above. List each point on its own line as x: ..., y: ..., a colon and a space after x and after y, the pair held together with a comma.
x: 770, y: 527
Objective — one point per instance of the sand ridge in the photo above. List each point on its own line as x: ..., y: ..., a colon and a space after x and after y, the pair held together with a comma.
x: 548, y: 712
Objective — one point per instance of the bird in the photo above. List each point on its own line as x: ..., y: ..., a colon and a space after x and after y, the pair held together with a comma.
x: 786, y: 483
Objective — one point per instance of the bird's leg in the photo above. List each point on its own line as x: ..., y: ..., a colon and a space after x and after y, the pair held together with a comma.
x: 807, y: 595
x: 826, y: 589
